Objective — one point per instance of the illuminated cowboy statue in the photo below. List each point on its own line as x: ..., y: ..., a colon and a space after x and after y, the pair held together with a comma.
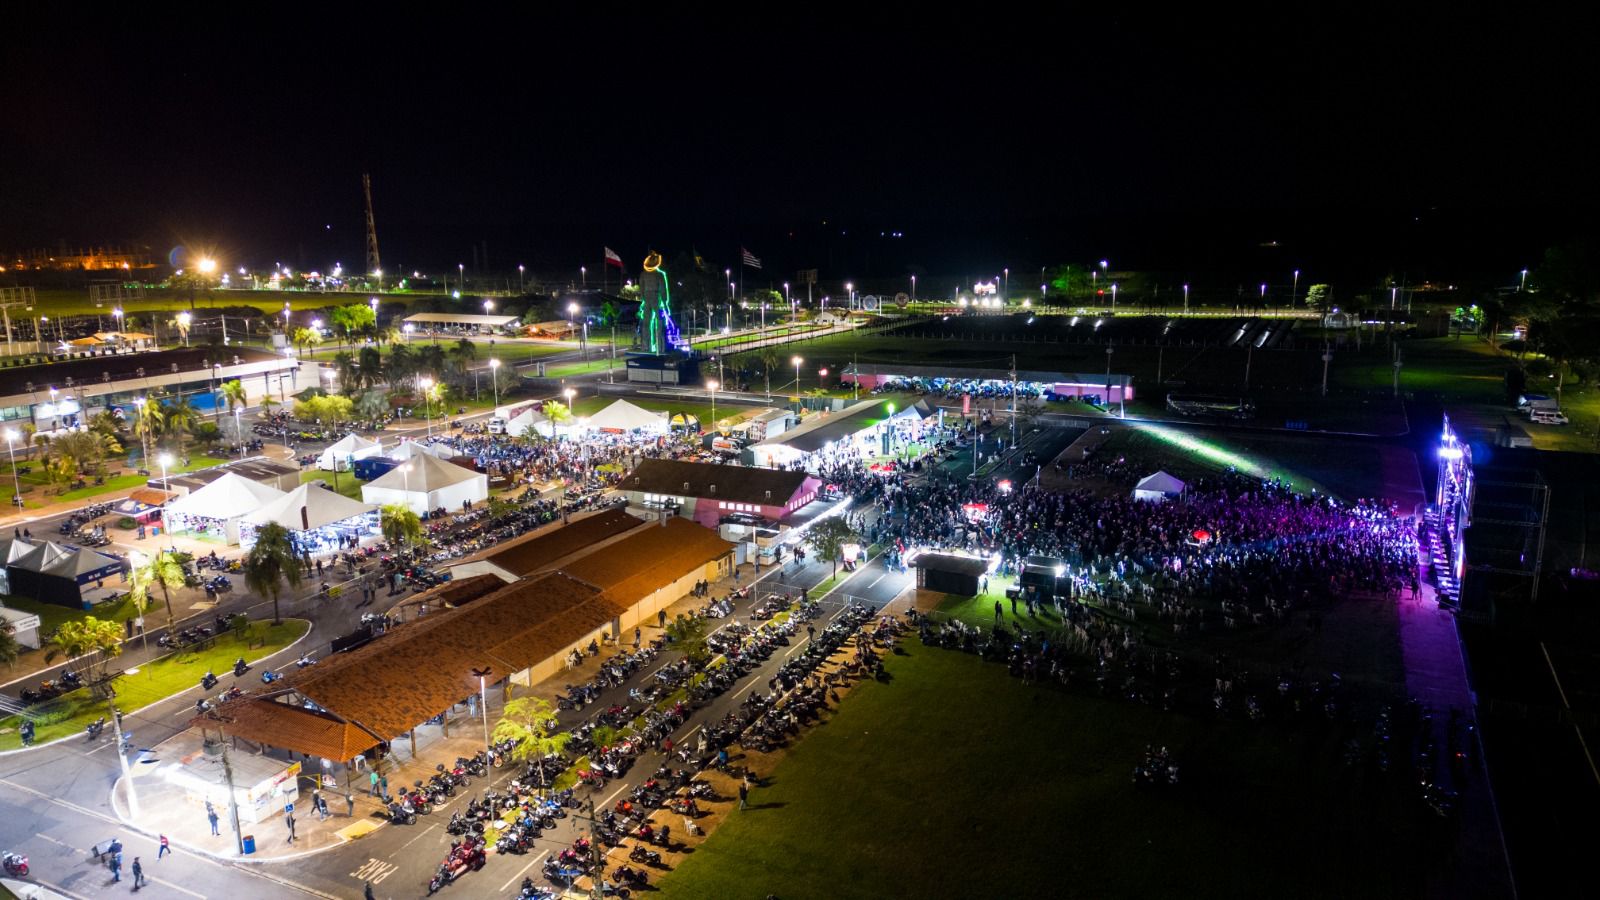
x: 664, y: 357
x: 659, y: 332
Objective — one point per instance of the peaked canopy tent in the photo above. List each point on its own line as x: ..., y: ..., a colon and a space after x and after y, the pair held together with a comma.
x: 427, y: 483
x: 215, y: 510
x: 1158, y: 487
x: 317, y: 518
x: 413, y: 449
x: 528, y: 420
x: 623, y: 416
x: 346, y: 450
x: 55, y: 573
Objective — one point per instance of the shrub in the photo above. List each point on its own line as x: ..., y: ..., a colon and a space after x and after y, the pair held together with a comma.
x: 127, y: 523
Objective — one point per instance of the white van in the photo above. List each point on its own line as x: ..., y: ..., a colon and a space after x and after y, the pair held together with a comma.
x: 497, y: 425
x: 1548, y: 417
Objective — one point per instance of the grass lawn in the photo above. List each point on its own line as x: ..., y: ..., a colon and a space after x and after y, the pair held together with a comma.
x: 953, y: 773
x: 568, y: 370
x: 37, y: 492
x: 1347, y: 469
x: 348, y: 484
x: 155, y: 681
x: 51, y: 615
x: 588, y: 406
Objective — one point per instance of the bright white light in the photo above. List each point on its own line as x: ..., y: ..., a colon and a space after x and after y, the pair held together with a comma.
x: 165, y: 460
x: 1450, y: 453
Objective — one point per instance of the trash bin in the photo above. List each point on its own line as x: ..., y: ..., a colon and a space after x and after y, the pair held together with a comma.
x: 249, y: 844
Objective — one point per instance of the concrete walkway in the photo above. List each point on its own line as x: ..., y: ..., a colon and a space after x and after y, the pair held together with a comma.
x: 1436, y: 676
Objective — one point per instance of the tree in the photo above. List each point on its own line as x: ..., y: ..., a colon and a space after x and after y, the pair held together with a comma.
x: 402, y: 366
x: 770, y: 358
x: 462, y: 354
x: 161, y: 569
x: 233, y: 393
x: 401, y: 526
x: 369, y: 368
x: 354, y: 319
x: 557, y: 412
x: 270, y: 563
x: 306, y: 338
x: 1319, y: 297
x: 181, y: 417
x: 829, y: 537
x: 9, y: 648
x: 344, y: 367
x: 689, y: 637
x: 530, y: 723
x: 89, y: 645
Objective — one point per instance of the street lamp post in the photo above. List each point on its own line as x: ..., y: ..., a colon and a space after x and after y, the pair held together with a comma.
x: 797, y: 361
x: 127, y: 777
x: 461, y: 272
x: 1523, y: 284
x: 16, y: 483
x: 494, y: 379
x: 1113, y: 298
x: 521, y: 270
x: 583, y: 275
x: 427, y: 404
x: 166, y: 487
x: 712, y: 387
x: 483, y: 701
x: 913, y: 289
x: 1295, y: 288
x: 1186, y: 299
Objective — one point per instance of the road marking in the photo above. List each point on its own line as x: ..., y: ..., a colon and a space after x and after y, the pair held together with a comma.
x: 169, y: 884
x: 876, y: 580
x: 607, y: 801
x: 374, y: 870
x: 419, y: 836
x: 536, y: 860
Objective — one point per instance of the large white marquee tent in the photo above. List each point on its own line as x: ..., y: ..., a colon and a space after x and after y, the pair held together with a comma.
x: 426, y: 483
x: 217, y: 509
x: 347, y: 449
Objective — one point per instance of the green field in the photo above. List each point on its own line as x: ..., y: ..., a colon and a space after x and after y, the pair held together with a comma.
x: 508, y: 352
x: 68, y: 714
x: 954, y: 779
x: 588, y: 406
x: 51, y: 615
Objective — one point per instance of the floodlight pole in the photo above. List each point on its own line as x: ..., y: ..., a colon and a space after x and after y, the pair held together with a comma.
x: 116, y: 726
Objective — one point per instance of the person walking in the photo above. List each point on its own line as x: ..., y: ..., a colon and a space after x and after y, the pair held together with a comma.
x: 350, y: 805
x: 288, y: 822
x: 211, y: 813
x: 383, y: 787
x: 116, y: 866
x: 138, y: 874
x: 998, y: 612
x: 165, y: 848
x: 368, y: 894
x: 744, y: 794
x: 372, y: 779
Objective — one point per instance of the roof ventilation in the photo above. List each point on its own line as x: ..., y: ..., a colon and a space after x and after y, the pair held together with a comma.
x: 713, y: 489
x: 636, y: 481
x: 686, y: 487
x: 769, y: 495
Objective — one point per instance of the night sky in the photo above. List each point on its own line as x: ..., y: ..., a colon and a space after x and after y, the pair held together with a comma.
x: 1021, y: 141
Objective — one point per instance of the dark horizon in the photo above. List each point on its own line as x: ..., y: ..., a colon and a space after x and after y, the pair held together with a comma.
x: 1416, y: 150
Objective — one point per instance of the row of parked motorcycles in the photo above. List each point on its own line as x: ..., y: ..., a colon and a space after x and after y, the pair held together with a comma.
x: 51, y: 689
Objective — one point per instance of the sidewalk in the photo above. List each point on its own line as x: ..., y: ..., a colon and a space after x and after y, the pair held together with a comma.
x: 166, y: 808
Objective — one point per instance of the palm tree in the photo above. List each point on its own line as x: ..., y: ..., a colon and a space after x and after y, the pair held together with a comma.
x: 770, y: 359
x: 369, y: 367
x: 431, y: 359
x: 344, y: 367
x: 401, y: 526
x: 402, y: 366
x: 147, y: 423
x: 234, y: 393
x: 270, y: 563
x: 557, y: 412
x: 161, y: 569
x: 306, y: 338
x: 89, y: 645
x: 181, y: 418
x: 462, y: 354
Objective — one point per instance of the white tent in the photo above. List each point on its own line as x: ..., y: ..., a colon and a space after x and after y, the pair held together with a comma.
x: 429, y: 484
x: 1157, y: 487
x: 624, y: 416
x: 307, y: 508
x: 527, y: 420
x: 228, y: 500
x: 350, y: 447
x: 413, y: 449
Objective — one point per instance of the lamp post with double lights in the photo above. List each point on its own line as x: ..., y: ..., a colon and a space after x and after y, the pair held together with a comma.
x: 494, y: 379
